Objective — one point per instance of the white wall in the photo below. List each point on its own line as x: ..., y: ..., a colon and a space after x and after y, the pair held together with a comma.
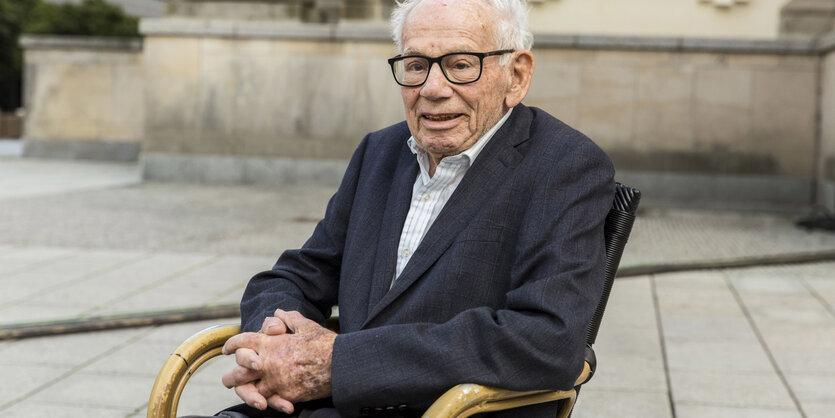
x: 690, y: 18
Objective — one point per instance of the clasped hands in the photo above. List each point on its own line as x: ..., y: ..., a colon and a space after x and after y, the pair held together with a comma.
x: 288, y: 361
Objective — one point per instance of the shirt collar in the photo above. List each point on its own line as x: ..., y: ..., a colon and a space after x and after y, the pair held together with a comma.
x: 470, y: 153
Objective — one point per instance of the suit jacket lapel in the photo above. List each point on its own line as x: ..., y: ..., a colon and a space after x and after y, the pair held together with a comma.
x: 491, y: 168
x: 399, y: 198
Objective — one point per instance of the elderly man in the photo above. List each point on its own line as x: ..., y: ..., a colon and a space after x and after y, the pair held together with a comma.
x: 463, y: 245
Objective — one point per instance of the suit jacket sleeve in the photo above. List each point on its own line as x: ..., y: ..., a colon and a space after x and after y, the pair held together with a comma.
x: 306, y: 279
x: 535, y: 340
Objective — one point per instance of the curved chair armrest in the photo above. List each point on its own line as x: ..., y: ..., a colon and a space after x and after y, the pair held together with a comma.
x: 191, y: 354
x: 460, y: 401
x: 468, y: 399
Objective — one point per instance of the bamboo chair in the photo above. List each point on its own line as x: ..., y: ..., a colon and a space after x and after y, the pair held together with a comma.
x: 462, y: 400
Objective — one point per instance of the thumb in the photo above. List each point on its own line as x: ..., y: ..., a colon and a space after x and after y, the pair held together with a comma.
x: 293, y: 320
x: 273, y: 326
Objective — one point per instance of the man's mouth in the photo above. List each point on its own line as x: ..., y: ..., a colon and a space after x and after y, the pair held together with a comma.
x: 441, y: 118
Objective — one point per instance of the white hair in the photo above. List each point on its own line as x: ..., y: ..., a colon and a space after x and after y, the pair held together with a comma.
x: 511, y: 28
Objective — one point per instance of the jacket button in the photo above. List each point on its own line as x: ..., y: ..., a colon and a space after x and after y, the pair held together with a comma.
x: 365, y: 412
x: 402, y: 407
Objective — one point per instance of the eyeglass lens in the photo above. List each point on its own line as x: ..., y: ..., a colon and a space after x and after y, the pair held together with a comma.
x: 458, y: 68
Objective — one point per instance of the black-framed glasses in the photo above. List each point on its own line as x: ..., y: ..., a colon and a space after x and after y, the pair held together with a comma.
x: 458, y: 67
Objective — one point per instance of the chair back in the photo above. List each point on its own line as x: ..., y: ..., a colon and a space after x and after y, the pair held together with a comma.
x: 617, y: 227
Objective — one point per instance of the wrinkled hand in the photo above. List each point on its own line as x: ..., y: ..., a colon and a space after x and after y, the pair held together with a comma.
x: 288, y: 361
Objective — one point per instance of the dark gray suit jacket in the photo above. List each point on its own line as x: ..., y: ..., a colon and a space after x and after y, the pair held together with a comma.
x: 499, y: 292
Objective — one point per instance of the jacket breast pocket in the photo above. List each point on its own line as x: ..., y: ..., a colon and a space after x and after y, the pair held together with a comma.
x: 477, y: 259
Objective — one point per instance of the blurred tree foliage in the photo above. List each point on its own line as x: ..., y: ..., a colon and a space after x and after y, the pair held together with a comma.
x: 90, y: 18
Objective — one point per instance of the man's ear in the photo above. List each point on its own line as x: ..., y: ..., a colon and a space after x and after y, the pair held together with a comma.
x: 521, y: 72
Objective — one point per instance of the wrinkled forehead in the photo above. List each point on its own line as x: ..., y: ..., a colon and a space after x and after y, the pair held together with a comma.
x: 450, y: 21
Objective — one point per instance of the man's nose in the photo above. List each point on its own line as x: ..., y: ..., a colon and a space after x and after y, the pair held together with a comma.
x: 436, y: 84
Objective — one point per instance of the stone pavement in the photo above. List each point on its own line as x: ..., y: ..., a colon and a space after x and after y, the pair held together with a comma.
x: 81, y: 239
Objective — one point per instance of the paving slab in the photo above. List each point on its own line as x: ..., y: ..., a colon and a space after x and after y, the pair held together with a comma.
x: 73, y: 350
x: 685, y: 410
x: 50, y: 276
x: 813, y: 386
x: 733, y: 356
x: 732, y: 389
x: 707, y: 327
x: 818, y: 409
x: 686, y: 302
x: 20, y: 379
x: 792, y: 336
x: 20, y: 259
x: 142, y: 358
x: 823, y: 288
x: 112, y: 286
x: 39, y: 409
x: 804, y: 358
x: 631, y: 305
x: 594, y: 403
x: 18, y: 312
x: 628, y: 342
x: 797, y: 309
x: 99, y: 391
x: 620, y: 372
x: 773, y: 282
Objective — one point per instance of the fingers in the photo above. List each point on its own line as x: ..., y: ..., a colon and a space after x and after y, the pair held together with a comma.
x: 248, y: 358
x: 273, y: 326
x: 293, y: 320
x: 239, y: 376
x: 250, y: 395
x: 281, y: 404
x: 248, y: 369
x: 250, y: 340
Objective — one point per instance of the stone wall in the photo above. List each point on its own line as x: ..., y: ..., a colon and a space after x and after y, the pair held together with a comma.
x: 708, y: 112
x: 84, y: 97
x: 729, y: 123
x: 271, y: 103
x: 695, y: 121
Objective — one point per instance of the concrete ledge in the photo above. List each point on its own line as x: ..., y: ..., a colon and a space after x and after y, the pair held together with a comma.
x: 82, y: 150
x: 242, y: 170
x: 80, y: 42
x: 638, y: 43
x: 711, y: 191
x: 179, y: 26
x: 756, y: 46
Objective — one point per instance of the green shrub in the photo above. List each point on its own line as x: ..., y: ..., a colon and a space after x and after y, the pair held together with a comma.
x: 89, y: 18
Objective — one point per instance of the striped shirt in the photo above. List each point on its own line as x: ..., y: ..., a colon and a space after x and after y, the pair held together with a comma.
x: 430, y: 194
